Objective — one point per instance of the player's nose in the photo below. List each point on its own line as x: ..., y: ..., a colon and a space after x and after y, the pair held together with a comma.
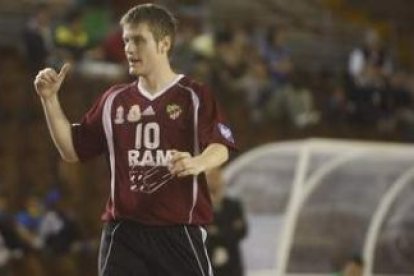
x: 128, y: 48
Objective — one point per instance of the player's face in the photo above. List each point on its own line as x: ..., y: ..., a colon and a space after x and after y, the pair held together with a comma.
x: 143, y: 53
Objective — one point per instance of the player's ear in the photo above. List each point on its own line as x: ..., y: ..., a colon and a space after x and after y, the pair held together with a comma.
x: 165, y: 44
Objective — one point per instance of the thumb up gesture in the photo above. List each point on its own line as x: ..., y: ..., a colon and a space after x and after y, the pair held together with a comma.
x: 47, y: 82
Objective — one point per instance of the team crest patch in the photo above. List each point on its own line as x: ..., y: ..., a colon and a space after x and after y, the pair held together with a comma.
x: 173, y: 111
x: 225, y: 132
x: 134, y: 114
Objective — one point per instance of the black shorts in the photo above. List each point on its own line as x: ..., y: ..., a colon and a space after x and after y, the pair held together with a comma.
x: 132, y: 249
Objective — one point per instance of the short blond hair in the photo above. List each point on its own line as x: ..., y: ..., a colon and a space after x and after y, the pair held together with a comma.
x: 161, y: 21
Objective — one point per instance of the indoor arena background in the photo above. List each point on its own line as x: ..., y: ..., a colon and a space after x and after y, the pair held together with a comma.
x: 319, y: 94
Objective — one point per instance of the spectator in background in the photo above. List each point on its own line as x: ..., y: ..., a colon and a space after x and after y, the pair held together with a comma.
x: 277, y: 55
x: 228, y: 67
x: 59, y: 233
x: 38, y: 39
x: 184, y: 56
x: 294, y: 103
x: 11, y: 246
x: 369, y: 70
x: 201, y: 69
x: 257, y: 88
x: 337, y: 105
x: 370, y: 65
x: 57, y: 228
x: 227, y: 230
x: 28, y: 221
x: 71, y: 36
x: 400, y: 105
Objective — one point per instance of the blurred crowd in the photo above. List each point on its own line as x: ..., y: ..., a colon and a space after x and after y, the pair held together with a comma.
x: 249, y: 67
x: 267, y: 94
x: 42, y: 237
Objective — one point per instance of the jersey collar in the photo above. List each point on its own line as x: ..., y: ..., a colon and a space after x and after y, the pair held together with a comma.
x: 153, y: 96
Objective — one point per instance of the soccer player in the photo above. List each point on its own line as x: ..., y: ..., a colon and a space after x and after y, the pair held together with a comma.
x: 160, y: 134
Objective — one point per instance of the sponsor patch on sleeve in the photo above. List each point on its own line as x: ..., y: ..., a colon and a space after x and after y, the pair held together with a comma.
x: 226, y: 132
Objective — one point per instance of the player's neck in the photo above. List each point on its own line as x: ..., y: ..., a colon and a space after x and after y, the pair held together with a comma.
x: 158, y: 79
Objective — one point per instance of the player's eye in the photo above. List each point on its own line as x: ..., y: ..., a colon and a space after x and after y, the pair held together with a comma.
x: 139, y: 40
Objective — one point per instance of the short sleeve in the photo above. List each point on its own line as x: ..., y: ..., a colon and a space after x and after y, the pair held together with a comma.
x: 213, y: 125
x: 88, y: 135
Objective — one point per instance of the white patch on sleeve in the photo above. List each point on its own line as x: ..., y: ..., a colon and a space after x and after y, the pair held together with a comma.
x: 225, y: 132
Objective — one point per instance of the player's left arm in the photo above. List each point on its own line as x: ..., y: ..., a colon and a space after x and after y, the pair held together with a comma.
x: 183, y: 164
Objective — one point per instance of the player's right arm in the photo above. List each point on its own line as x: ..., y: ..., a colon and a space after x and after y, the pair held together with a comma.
x: 47, y: 84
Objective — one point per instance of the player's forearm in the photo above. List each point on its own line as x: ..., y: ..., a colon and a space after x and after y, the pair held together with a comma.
x: 213, y: 156
x: 60, y: 129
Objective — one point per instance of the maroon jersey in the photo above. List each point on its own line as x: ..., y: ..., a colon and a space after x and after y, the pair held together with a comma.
x: 138, y: 131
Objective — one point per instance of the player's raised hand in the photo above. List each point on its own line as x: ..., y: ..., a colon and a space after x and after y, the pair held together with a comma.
x: 183, y: 164
x: 47, y: 82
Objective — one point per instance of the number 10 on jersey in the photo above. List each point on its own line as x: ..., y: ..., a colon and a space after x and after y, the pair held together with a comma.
x: 147, y: 135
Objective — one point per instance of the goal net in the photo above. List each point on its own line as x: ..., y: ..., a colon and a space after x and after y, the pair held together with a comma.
x: 311, y: 204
